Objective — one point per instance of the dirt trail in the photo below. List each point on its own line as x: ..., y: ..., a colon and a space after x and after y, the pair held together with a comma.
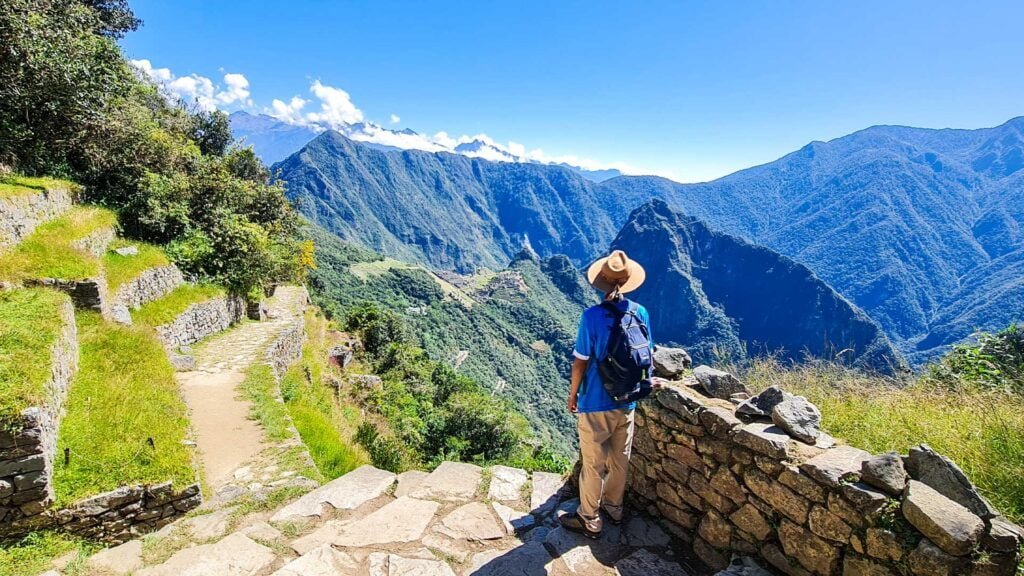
x: 225, y: 435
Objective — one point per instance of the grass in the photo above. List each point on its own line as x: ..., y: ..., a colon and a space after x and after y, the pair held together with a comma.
x: 325, y: 425
x: 11, y: 186
x: 983, y: 432
x: 48, y: 253
x: 166, y: 309
x: 367, y: 270
x: 35, y: 553
x: 30, y: 324
x: 123, y: 395
x: 121, y: 269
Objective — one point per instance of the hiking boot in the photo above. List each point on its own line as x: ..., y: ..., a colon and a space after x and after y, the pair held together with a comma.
x: 573, y: 523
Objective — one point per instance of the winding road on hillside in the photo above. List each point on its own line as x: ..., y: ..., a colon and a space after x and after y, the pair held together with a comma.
x: 226, y: 437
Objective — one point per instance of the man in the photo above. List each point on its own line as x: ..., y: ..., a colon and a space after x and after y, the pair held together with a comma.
x: 605, y: 425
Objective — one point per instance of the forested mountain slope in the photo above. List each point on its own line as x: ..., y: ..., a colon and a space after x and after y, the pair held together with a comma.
x: 721, y: 296
x: 918, y: 227
x: 446, y: 210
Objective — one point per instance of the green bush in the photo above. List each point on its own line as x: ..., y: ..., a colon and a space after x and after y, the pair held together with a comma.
x: 992, y: 362
x: 72, y: 106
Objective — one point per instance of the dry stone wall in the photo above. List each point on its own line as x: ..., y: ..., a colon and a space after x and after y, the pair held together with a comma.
x: 87, y: 294
x: 22, y: 213
x: 201, y: 320
x: 286, y: 348
x: 27, y: 453
x: 148, y: 286
x: 744, y: 486
x: 126, y: 512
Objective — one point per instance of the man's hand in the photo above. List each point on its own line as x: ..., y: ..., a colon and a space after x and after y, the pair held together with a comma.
x: 572, y: 404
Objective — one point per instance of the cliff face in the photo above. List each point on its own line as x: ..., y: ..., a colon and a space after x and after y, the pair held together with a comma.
x: 720, y: 295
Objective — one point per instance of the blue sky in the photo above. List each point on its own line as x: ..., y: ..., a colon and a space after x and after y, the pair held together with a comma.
x: 690, y: 90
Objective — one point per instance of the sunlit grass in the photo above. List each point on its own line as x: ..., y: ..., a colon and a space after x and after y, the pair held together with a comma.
x: 121, y: 269
x: 35, y: 553
x: 30, y: 324
x: 164, y: 310
x: 983, y: 432
x: 123, y: 395
x: 18, y: 185
x: 48, y: 252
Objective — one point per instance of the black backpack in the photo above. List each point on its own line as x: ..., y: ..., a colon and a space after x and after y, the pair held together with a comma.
x: 628, y: 358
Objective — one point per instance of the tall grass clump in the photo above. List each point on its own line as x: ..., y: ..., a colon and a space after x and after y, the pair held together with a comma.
x: 980, y: 429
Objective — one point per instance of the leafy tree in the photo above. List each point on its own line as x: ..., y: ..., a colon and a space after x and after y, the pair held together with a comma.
x: 993, y: 361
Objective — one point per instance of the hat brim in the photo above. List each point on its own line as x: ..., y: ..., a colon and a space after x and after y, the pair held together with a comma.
x: 636, y: 277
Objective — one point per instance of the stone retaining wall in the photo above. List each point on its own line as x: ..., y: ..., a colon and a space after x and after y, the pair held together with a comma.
x: 731, y: 486
x: 286, y: 348
x: 22, y: 213
x: 127, y: 512
x: 201, y: 320
x: 148, y: 286
x: 87, y: 294
x: 26, y: 455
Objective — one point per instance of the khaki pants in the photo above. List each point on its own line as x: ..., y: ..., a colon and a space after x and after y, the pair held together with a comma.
x: 605, y: 442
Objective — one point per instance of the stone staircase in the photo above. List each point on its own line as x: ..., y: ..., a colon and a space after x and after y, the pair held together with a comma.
x: 459, y: 519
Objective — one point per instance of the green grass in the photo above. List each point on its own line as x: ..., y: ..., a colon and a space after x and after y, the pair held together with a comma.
x: 326, y: 425
x: 48, y: 253
x: 983, y: 432
x: 124, y: 394
x: 121, y: 269
x: 30, y: 323
x: 18, y: 185
x: 34, y: 554
x: 166, y: 309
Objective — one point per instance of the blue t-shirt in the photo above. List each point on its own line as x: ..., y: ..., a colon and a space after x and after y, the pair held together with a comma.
x: 591, y: 343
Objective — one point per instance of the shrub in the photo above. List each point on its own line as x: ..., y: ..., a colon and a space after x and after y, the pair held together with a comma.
x: 991, y: 362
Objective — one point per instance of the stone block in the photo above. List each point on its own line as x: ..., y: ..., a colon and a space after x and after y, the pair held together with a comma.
x: 792, y: 477
x: 723, y: 482
x: 763, y: 438
x: 828, y: 525
x: 884, y: 545
x: 836, y: 465
x: 929, y: 560
x: 860, y: 566
x: 718, y: 384
x: 709, y: 555
x: 715, y: 530
x: 885, y: 472
x: 719, y: 421
x: 813, y: 553
x: 779, y: 497
x: 952, y: 527
x: 751, y: 521
x: 945, y: 477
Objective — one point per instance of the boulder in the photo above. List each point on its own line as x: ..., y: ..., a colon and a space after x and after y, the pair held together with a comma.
x: 716, y: 383
x: 762, y: 404
x: 799, y: 418
x: 952, y: 527
x: 119, y: 313
x: 127, y: 251
x: 928, y: 466
x: 1003, y: 535
x: 367, y: 381
x: 670, y: 362
x: 885, y: 472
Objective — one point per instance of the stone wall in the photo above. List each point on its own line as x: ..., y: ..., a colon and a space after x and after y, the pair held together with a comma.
x: 26, y: 454
x: 126, y: 512
x: 738, y: 485
x: 201, y: 320
x: 148, y: 286
x: 87, y: 294
x: 286, y: 348
x: 21, y: 213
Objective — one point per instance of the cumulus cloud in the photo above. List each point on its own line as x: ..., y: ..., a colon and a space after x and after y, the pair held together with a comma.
x: 198, y: 90
x: 395, y: 119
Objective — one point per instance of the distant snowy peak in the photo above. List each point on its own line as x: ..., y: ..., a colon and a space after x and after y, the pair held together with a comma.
x: 274, y: 140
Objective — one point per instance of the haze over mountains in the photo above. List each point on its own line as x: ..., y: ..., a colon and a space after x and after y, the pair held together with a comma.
x: 920, y: 228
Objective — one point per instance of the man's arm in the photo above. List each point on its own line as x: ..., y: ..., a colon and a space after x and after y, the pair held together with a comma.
x: 579, y: 368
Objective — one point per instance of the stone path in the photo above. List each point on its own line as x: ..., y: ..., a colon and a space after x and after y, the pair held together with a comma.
x: 459, y: 520
x: 225, y: 435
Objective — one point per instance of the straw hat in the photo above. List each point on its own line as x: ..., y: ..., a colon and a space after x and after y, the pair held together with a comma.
x: 616, y: 270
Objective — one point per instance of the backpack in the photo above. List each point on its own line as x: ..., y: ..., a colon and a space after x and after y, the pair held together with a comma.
x: 628, y: 357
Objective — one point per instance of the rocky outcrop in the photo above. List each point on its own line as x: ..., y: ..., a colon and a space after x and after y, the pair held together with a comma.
x: 733, y: 486
x: 27, y: 451
x: 20, y: 214
x: 201, y: 320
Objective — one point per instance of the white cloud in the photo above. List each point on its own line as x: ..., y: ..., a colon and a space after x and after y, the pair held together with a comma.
x: 198, y: 90
x: 395, y: 119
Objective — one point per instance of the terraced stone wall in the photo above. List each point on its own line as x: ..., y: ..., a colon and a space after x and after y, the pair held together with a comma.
x: 27, y: 453
x: 287, y: 347
x: 21, y: 213
x: 201, y: 320
x: 148, y: 286
x: 127, y: 512
x: 729, y: 486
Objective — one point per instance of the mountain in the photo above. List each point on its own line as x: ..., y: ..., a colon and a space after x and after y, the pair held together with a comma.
x: 447, y: 210
x: 271, y: 139
x: 921, y: 228
x: 720, y: 296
